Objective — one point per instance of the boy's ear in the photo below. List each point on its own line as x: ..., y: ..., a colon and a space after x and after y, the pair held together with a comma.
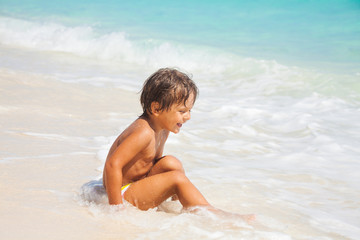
x: 155, y: 108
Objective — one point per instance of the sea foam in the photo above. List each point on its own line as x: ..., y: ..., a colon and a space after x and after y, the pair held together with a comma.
x: 85, y: 41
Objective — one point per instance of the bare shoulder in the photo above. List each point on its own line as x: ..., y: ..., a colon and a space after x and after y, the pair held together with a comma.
x: 142, y: 128
x: 139, y: 131
x: 135, y: 137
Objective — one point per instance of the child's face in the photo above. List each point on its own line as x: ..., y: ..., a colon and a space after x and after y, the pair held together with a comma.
x: 173, y: 119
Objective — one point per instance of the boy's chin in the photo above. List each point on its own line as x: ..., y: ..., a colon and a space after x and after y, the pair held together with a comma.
x: 176, y: 131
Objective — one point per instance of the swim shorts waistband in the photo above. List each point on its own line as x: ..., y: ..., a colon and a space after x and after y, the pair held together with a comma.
x: 124, y: 188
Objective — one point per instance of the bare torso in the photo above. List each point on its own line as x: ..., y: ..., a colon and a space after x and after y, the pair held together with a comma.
x: 140, y: 165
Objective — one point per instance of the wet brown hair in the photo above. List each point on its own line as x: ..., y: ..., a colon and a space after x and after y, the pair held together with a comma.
x: 167, y: 86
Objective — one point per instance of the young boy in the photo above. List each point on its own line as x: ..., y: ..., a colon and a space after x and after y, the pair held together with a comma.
x: 135, y: 168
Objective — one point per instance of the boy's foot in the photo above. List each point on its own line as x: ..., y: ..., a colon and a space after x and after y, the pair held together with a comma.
x: 249, y: 218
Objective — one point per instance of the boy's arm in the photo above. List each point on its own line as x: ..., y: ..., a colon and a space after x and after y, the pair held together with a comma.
x: 124, y: 153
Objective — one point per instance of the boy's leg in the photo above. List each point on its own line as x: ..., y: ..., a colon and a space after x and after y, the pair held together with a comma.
x: 165, y: 164
x: 152, y: 191
x: 167, y: 179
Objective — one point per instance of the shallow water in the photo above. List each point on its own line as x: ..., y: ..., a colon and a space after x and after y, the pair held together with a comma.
x: 273, y: 132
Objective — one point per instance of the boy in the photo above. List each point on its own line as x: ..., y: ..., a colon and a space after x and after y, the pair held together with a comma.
x: 135, y: 169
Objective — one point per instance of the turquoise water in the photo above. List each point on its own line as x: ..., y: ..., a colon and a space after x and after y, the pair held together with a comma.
x: 296, y: 32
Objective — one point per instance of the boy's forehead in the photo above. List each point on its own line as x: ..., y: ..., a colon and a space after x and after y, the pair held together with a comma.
x: 189, y: 102
x: 191, y: 99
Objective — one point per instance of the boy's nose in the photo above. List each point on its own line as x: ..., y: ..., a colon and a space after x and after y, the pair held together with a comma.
x: 187, y: 116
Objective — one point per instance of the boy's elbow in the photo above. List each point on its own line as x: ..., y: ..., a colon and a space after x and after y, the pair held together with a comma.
x: 111, y: 166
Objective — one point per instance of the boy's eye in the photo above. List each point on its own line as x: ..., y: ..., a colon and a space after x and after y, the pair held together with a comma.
x: 184, y: 111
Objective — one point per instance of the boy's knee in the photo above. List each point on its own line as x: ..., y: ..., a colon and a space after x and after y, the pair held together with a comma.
x: 172, y: 163
x: 178, y: 177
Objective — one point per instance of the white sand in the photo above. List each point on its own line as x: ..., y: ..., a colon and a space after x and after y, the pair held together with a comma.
x: 48, y: 132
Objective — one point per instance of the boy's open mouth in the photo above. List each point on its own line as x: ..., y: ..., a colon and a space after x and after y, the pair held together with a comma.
x: 179, y: 125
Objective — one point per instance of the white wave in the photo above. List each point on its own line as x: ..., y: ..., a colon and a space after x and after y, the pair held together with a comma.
x: 81, y: 40
x: 119, y: 48
x: 85, y: 41
x: 134, y: 59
